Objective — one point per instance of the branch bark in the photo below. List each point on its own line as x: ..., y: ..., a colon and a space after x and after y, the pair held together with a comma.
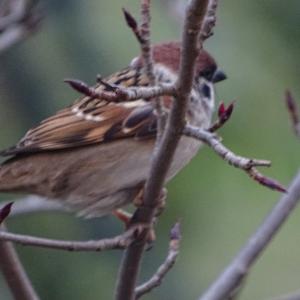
x: 14, y: 272
x: 165, y: 267
x: 21, y: 20
x: 117, y: 242
x: 162, y: 157
x: 243, y: 163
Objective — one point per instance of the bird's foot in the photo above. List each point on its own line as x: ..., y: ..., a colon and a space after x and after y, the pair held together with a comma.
x: 138, y: 228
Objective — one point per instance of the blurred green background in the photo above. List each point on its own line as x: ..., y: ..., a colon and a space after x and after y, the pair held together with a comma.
x: 256, y: 42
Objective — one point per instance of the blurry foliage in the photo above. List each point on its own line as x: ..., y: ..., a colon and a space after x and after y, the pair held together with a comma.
x: 257, y: 43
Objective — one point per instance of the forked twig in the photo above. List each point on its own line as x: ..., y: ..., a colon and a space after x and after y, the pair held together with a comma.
x: 165, y: 267
x: 246, y: 164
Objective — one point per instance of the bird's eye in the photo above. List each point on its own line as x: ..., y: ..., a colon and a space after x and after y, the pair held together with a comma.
x: 207, y: 74
x: 206, y: 91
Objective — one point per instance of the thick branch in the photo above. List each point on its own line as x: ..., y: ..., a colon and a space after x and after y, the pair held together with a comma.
x: 230, y: 280
x: 210, y: 20
x: 14, y: 272
x: 163, y: 155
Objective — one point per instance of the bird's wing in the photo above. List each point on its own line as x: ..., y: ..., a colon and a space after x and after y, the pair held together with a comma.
x: 90, y: 121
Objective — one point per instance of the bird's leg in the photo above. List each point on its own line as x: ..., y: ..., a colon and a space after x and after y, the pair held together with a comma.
x: 127, y: 218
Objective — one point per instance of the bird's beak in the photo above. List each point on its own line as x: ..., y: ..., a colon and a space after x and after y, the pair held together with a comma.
x: 218, y: 76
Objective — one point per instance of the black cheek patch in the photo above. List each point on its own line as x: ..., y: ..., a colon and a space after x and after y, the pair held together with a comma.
x: 206, y: 91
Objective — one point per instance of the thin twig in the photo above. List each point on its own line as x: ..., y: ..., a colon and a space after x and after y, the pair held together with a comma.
x: 13, y: 12
x: 165, y: 267
x: 246, y: 164
x: 14, y: 273
x: 235, y: 273
x: 146, y: 50
x: 210, y: 20
x: 145, y: 41
x: 121, y: 93
x: 142, y: 34
x: 293, y: 111
x: 162, y: 158
x: 118, y: 242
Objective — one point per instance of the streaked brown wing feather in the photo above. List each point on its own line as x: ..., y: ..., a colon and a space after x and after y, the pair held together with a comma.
x: 89, y: 121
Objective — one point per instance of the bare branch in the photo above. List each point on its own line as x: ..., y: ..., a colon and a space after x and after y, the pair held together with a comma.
x: 246, y: 164
x: 132, y: 23
x: 35, y: 204
x: 20, y: 21
x: 128, y: 94
x: 118, y: 242
x: 11, y: 12
x: 142, y: 34
x: 163, y: 155
x: 146, y: 42
x: 165, y: 267
x: 14, y: 272
x: 235, y: 273
x: 293, y: 111
x: 210, y: 20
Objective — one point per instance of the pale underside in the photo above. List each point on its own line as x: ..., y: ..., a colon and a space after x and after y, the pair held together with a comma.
x: 92, y: 180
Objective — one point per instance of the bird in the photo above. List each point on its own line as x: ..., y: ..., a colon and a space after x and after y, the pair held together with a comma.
x: 94, y: 156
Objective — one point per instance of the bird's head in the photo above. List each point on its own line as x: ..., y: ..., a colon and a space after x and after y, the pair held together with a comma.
x: 167, y: 55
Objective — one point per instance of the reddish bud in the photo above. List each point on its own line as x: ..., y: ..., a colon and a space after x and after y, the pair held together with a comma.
x: 5, y: 211
x: 292, y: 107
x: 221, y: 109
x: 225, y: 112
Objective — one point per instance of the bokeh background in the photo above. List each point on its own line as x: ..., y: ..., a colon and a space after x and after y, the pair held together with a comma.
x: 257, y: 43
